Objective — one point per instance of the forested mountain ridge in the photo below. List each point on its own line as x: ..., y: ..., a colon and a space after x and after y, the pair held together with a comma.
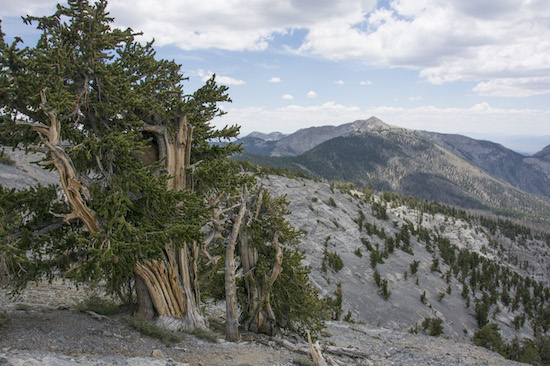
x: 530, y: 174
x: 277, y: 144
x: 400, y: 160
x: 518, y: 170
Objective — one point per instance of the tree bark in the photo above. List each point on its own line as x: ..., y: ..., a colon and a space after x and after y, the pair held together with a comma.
x: 170, y: 288
x: 75, y: 192
x: 231, y: 311
x: 145, y: 307
x: 260, y: 315
x: 176, y: 149
x: 172, y: 283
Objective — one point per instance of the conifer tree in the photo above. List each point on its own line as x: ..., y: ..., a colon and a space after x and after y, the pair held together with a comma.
x: 133, y: 157
x: 144, y: 197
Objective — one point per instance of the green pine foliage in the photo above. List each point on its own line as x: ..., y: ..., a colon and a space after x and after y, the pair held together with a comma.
x: 105, y: 89
x: 434, y: 326
x: 111, y: 97
x: 295, y: 302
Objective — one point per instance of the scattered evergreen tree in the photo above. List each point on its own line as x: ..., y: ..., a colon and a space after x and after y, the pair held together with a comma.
x: 384, y: 290
x: 433, y: 326
x: 414, y: 266
x: 489, y: 337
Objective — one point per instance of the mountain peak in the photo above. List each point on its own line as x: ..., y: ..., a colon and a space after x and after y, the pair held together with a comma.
x: 273, y: 136
x: 544, y: 153
x: 366, y: 125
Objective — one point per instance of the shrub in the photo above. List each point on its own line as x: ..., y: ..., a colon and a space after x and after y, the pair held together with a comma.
x: 334, y: 261
x: 377, y: 278
x: 481, y: 313
x: 375, y: 258
x: 490, y: 338
x: 332, y: 202
x: 414, y: 266
x: 348, y: 318
x: 433, y: 326
x: 205, y: 334
x: 98, y: 305
x: 384, y: 291
x: 423, y: 298
x: 5, y: 158
x: 334, y: 305
x: 435, y: 265
x: 303, y: 361
x: 152, y: 330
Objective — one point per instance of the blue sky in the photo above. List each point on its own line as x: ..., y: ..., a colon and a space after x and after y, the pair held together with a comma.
x: 474, y: 67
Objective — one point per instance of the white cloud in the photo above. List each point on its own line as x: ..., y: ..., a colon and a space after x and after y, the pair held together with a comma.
x: 224, y: 80
x: 497, y: 43
x: 415, y: 98
x: 231, y: 25
x: 502, y: 45
x: 27, y: 7
x: 311, y: 94
x: 287, y: 97
x: 275, y: 80
x: 290, y: 118
x: 514, y: 87
x: 339, y: 82
x: 365, y: 82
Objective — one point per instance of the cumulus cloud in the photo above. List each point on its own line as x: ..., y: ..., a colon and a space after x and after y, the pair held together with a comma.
x: 224, y: 80
x: 501, y: 45
x: 514, y: 87
x: 287, y: 97
x: 415, y: 98
x: 496, y: 43
x: 232, y: 25
x: 275, y: 80
x: 289, y: 118
x: 311, y: 94
x: 365, y: 82
x: 27, y: 7
x: 339, y: 82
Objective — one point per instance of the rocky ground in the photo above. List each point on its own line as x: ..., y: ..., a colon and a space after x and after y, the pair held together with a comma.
x: 328, y: 217
x: 44, y: 328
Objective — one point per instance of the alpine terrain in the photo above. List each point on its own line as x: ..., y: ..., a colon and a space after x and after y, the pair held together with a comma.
x: 450, y: 169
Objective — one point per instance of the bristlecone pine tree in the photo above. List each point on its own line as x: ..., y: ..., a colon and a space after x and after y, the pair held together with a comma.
x: 143, y: 195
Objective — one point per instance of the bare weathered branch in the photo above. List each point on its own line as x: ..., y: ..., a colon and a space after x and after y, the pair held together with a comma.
x: 315, y: 352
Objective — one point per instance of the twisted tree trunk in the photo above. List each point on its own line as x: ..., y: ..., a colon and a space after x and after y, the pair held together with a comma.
x: 167, y: 287
x: 231, y: 311
x: 73, y: 188
x: 172, y: 288
x: 260, y: 317
x: 176, y: 149
x: 171, y: 284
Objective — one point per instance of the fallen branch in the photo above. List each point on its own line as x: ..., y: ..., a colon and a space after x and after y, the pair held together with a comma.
x: 315, y: 352
x: 337, y: 351
x: 96, y: 315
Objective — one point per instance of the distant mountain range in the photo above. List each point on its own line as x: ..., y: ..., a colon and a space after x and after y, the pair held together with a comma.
x: 451, y: 169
